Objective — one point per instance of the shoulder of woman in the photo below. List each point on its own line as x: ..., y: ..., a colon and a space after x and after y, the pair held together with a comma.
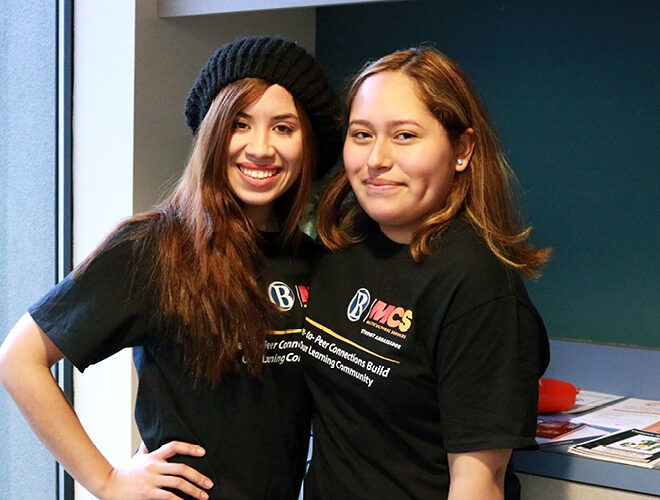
x: 462, y: 248
x: 463, y: 260
x: 129, y: 249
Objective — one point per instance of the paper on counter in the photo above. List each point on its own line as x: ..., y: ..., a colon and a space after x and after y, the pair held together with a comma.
x: 631, y: 413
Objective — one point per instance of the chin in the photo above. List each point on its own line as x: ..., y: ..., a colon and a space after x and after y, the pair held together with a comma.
x: 382, y: 215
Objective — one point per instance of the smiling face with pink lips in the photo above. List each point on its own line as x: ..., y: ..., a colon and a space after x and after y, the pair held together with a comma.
x: 265, y: 153
x: 397, y: 155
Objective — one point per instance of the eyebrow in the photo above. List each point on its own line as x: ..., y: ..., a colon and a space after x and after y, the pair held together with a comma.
x: 393, y: 123
x: 276, y: 118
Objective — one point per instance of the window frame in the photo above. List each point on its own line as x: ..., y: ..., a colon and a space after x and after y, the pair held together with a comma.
x: 63, y: 371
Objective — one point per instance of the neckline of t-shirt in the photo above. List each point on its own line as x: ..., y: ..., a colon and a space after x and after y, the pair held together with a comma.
x: 383, y: 246
x: 269, y: 241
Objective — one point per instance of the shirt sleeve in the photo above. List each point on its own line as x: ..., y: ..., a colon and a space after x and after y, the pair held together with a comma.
x: 488, y: 362
x: 100, y: 312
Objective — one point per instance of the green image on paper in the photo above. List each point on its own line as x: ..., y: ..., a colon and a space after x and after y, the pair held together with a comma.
x: 646, y: 444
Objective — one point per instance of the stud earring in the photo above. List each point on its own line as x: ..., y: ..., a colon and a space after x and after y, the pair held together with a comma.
x: 459, y: 161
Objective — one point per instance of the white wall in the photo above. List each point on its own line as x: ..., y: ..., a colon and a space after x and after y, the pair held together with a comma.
x: 102, y: 185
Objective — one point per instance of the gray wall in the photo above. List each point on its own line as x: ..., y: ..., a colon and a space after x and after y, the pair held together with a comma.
x: 27, y: 213
x: 572, y: 88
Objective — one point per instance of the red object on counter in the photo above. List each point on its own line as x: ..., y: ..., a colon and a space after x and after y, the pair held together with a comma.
x: 556, y: 395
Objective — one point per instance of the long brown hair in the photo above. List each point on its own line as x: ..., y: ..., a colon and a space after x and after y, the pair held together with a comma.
x: 482, y: 191
x: 207, y: 260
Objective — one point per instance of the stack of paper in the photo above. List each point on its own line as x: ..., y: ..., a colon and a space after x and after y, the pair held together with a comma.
x: 632, y: 447
x: 627, y: 430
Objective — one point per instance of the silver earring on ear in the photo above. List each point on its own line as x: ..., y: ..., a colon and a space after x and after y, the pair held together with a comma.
x: 459, y: 161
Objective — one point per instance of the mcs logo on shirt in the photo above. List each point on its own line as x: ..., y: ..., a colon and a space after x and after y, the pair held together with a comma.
x: 388, y: 317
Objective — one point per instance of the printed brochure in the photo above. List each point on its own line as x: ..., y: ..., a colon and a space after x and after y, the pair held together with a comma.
x: 632, y: 447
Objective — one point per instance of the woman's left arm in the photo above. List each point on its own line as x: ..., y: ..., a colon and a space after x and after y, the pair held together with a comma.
x: 478, y: 474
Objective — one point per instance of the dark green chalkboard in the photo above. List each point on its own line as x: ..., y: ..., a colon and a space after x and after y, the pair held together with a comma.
x: 573, y: 89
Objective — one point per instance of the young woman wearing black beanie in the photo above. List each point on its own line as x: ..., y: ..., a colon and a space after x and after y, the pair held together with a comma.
x: 209, y: 288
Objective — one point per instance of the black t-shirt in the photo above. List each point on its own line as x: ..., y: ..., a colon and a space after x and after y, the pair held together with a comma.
x: 408, y: 361
x: 255, y: 430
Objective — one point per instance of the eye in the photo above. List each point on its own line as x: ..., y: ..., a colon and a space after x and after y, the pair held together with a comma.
x: 240, y: 125
x: 283, y: 128
x: 360, y: 135
x: 404, y: 136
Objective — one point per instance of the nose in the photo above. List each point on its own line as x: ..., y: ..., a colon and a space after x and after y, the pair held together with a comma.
x: 259, y: 145
x: 381, y: 155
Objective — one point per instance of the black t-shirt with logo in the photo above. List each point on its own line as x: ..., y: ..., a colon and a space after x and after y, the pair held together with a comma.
x: 255, y: 430
x: 408, y: 361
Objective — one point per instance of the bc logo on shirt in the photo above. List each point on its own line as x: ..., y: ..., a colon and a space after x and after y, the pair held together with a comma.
x: 281, y: 295
x: 358, y: 304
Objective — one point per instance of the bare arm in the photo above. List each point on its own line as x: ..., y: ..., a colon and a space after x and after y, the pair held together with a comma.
x: 25, y: 360
x: 478, y: 474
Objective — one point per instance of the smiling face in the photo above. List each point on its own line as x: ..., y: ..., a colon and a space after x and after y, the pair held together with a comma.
x: 397, y: 155
x: 265, y: 153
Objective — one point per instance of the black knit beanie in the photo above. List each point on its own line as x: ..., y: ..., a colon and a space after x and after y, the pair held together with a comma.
x: 277, y: 61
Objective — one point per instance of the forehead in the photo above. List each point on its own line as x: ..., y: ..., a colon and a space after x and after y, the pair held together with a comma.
x: 276, y: 99
x: 388, y: 92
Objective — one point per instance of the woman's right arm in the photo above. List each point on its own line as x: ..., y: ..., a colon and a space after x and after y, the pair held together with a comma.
x: 26, y: 357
